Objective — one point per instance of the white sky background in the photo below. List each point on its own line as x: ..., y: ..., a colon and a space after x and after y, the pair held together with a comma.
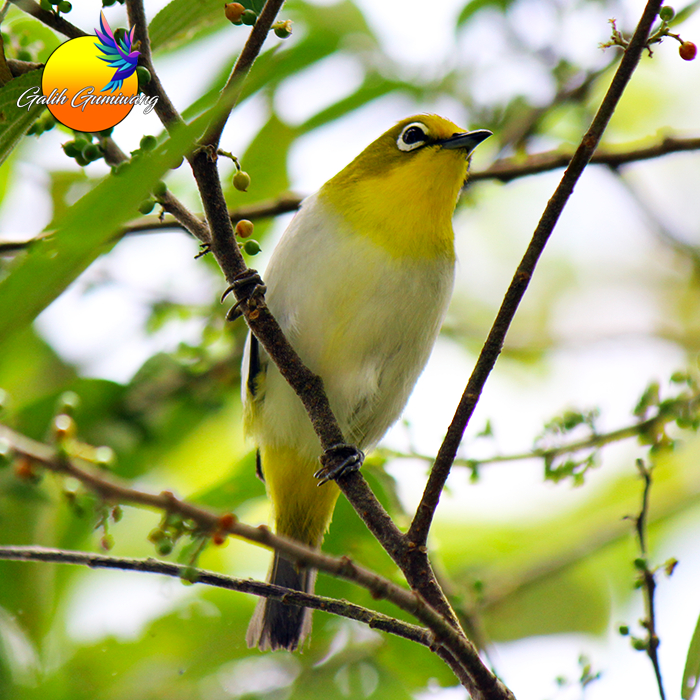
x: 103, y: 330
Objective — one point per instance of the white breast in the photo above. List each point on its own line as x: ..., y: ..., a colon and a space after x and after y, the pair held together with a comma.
x: 364, y: 321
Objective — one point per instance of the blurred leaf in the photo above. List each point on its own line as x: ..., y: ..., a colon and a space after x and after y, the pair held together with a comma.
x: 183, y: 22
x: 472, y: 7
x: 691, y: 672
x: 14, y: 120
x: 83, y: 233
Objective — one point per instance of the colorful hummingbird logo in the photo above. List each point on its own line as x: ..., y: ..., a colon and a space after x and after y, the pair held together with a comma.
x: 118, y: 53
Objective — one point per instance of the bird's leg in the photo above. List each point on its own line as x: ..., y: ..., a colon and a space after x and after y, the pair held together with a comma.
x: 338, y: 460
x: 246, y: 284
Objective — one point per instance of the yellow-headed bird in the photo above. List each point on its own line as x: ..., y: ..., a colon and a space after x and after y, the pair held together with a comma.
x: 359, y: 283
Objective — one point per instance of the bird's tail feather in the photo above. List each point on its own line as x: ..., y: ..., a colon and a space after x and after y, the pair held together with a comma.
x: 276, y: 625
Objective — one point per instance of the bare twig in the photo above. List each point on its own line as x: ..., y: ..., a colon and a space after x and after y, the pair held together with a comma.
x: 232, y: 91
x: 667, y: 413
x: 418, y: 532
x: 456, y: 645
x: 164, y: 108
x: 342, y: 608
x: 507, y: 169
x: 651, y: 645
x: 50, y: 19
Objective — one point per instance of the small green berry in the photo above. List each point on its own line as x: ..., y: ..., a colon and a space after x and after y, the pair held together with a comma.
x: 70, y: 149
x: 64, y: 6
x: 146, y: 207
x: 143, y: 74
x: 92, y: 152
x: 283, y: 29
x: 148, y: 142
x: 667, y: 13
x: 107, y: 132
x: 160, y: 189
x: 640, y: 563
x: 241, y: 181
x: 46, y: 5
x: 252, y: 247
x: 164, y: 547
x: 24, y: 55
x: 624, y: 630
x: 249, y: 17
x: 81, y: 160
x: 639, y: 644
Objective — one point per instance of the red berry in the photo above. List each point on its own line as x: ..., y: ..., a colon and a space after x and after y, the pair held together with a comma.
x: 688, y: 50
x: 234, y: 11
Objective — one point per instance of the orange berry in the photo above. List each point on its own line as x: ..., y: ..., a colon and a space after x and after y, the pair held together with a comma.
x: 226, y: 520
x: 688, y: 50
x: 244, y: 228
x: 234, y: 11
x: 24, y: 469
x: 218, y: 538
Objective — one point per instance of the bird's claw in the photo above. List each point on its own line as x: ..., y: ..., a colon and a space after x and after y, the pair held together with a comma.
x: 247, y: 284
x: 338, y: 460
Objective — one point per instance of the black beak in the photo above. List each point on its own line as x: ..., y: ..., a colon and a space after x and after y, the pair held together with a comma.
x: 467, y: 141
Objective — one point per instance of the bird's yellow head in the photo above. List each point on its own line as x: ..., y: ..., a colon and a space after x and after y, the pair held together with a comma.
x: 401, y: 190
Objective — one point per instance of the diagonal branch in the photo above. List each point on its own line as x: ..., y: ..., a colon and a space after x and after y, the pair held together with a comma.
x: 232, y: 90
x: 457, y: 648
x: 164, y: 108
x: 50, y: 19
x: 342, y: 608
x: 418, y: 532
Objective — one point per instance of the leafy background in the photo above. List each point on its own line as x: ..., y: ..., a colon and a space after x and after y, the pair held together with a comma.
x: 139, y: 336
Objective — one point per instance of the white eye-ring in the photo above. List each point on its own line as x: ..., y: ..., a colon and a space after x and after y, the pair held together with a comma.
x: 412, y: 136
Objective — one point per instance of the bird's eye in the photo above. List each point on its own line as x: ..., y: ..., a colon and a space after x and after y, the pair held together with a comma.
x: 413, y: 136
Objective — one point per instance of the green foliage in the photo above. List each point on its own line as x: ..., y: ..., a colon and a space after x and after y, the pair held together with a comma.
x: 12, y: 130
x: 177, y: 423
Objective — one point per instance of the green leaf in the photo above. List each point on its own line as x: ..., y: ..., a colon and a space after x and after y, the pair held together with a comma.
x: 14, y: 120
x: 691, y: 672
x: 83, y: 233
x: 471, y: 8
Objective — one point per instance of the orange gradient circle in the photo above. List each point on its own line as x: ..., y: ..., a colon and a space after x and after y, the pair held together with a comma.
x: 73, y: 79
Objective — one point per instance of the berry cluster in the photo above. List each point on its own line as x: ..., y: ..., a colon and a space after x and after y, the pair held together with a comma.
x: 238, y: 14
x: 56, y: 6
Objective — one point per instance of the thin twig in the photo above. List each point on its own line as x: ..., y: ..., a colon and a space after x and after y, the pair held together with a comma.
x: 483, y: 683
x: 232, y: 90
x: 342, y: 608
x: 667, y: 413
x: 50, y: 19
x: 648, y: 578
x: 507, y: 169
x: 418, y: 532
x: 164, y: 107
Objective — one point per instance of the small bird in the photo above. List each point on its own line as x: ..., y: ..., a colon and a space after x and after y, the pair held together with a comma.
x: 118, y: 54
x: 359, y: 283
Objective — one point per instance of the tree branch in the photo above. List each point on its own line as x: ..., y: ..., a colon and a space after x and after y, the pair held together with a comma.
x: 164, y: 108
x: 648, y: 579
x: 232, y: 90
x: 507, y: 169
x: 418, y: 532
x: 341, y: 608
x: 483, y: 683
x: 50, y: 19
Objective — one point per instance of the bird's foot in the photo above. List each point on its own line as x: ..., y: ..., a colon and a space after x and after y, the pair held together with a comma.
x: 248, y: 284
x: 338, y: 460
